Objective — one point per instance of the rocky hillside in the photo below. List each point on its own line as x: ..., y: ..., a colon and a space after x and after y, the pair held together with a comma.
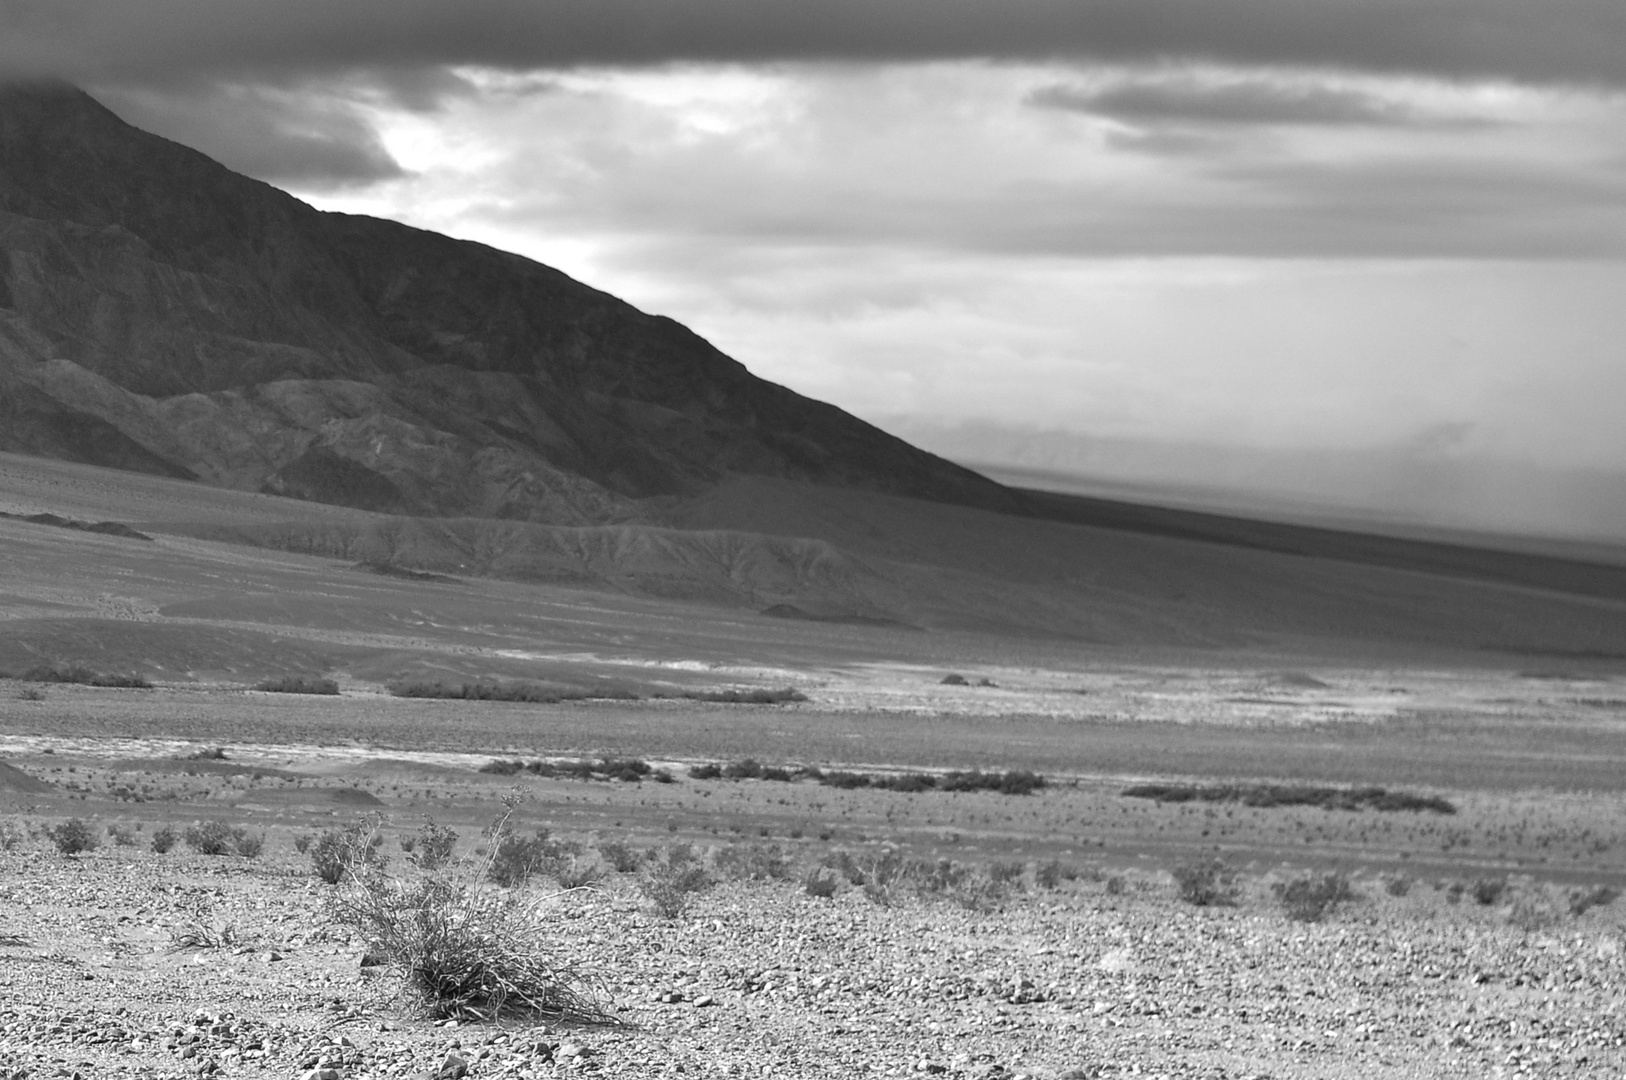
x: 161, y: 313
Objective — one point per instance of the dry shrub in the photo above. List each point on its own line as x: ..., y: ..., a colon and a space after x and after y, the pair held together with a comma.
x: 516, y: 859
x: 83, y: 675
x: 299, y: 684
x: 820, y: 883
x: 432, y: 848
x: 1537, y: 907
x: 1313, y: 897
x: 164, y: 839
x: 467, y: 949
x: 219, y: 838
x: 74, y: 836
x: 671, y: 877
x: 1050, y: 875
x: 623, y: 859
x: 753, y: 862
x: 1584, y: 900
x: 884, y: 873
x: 1206, y: 883
x: 199, y: 929
x: 963, y: 885
x: 338, y: 852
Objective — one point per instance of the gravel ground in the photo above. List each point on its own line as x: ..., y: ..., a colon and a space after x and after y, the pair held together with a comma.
x: 761, y: 980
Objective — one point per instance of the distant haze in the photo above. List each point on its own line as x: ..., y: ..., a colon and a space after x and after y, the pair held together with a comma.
x: 1377, y: 486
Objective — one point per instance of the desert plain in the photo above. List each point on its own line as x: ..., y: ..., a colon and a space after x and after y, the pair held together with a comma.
x: 1050, y: 933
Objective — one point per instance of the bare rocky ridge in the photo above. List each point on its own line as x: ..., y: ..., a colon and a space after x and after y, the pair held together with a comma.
x: 159, y: 312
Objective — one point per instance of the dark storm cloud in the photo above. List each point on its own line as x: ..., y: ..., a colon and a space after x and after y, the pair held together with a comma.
x: 1234, y: 101
x: 287, y: 136
x: 112, y: 40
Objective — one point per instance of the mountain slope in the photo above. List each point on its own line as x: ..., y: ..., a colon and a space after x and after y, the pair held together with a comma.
x: 224, y: 330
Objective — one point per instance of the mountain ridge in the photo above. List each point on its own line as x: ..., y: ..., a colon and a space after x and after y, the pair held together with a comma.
x: 151, y: 282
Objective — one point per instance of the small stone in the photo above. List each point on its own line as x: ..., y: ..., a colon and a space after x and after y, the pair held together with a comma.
x: 572, y: 1050
x: 452, y: 1068
x: 704, y: 1001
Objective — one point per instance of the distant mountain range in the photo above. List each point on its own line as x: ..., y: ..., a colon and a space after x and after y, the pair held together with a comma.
x: 161, y: 313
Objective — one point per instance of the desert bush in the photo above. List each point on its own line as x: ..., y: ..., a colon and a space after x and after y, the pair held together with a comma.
x: 1397, y: 884
x: 707, y: 771
x: 1004, y: 872
x: 503, y: 767
x: 1537, y: 908
x: 1206, y: 883
x: 623, y: 859
x: 626, y: 769
x: 1050, y: 875
x: 885, y: 870
x: 121, y: 835
x: 526, y: 693
x: 744, y: 769
x: 299, y: 684
x: 303, y: 842
x: 164, y: 839
x: 1582, y: 901
x: 199, y: 929
x: 753, y: 696
x: 515, y: 859
x: 1487, y: 891
x: 753, y: 862
x: 340, y: 852
x: 820, y: 883
x: 777, y: 773
x: 671, y: 877
x: 965, y: 886
x: 842, y: 862
x: 82, y: 675
x: 1273, y: 795
x: 73, y: 837
x: 12, y: 835
x: 908, y: 783
x: 845, y: 780
x: 208, y: 753
x: 466, y: 950
x: 1015, y: 782
x: 578, y: 872
x: 1313, y: 897
x: 31, y: 693
x: 219, y: 838
x: 1116, y: 886
x: 433, y: 846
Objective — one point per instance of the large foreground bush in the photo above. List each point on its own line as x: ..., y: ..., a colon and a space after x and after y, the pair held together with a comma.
x: 466, y: 948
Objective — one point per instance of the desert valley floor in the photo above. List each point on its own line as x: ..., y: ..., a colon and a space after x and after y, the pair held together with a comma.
x: 843, y: 921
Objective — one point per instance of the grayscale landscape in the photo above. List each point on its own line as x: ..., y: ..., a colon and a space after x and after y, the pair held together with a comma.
x: 415, y: 662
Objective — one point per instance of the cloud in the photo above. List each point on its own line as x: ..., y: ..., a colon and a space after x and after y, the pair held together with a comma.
x: 1234, y: 101
x: 1556, y: 41
x: 932, y: 158
x: 299, y: 136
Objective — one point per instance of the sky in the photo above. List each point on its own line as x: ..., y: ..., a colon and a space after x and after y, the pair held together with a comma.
x: 1127, y: 237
